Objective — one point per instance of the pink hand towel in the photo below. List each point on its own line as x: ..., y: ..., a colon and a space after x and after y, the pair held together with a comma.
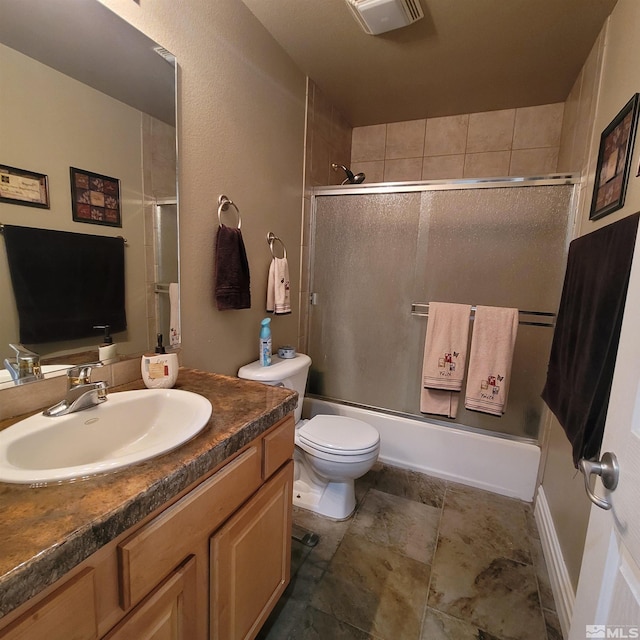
x: 494, y: 337
x: 445, y: 351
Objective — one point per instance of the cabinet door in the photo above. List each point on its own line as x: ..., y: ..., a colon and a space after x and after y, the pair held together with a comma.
x: 166, y: 614
x: 69, y: 613
x: 250, y: 560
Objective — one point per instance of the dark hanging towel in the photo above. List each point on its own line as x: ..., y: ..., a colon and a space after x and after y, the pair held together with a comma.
x: 231, y: 270
x: 65, y: 283
x: 585, y: 342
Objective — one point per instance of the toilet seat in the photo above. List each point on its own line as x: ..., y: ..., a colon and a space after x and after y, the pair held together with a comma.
x: 338, y: 435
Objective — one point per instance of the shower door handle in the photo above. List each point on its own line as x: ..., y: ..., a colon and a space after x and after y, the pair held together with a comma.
x: 608, y: 470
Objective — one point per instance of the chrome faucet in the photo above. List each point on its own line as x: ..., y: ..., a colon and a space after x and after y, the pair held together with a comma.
x: 25, y: 366
x: 81, y: 393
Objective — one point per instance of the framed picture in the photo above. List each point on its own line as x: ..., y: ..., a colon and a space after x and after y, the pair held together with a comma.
x: 95, y: 198
x: 614, y: 161
x: 18, y: 186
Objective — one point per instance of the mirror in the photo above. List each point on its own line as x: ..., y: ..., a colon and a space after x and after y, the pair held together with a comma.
x: 82, y: 88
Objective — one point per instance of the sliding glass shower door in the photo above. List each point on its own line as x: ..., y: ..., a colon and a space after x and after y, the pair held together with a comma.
x: 377, y: 254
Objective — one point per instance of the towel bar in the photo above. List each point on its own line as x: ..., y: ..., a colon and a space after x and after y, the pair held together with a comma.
x: 522, y: 312
x: 2, y: 231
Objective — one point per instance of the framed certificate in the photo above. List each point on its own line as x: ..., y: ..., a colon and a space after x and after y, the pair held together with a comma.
x: 18, y: 186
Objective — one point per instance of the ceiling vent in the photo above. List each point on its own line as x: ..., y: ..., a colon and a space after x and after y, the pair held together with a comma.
x: 378, y: 16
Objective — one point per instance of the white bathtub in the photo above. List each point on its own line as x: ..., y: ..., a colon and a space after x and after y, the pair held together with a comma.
x: 496, y: 464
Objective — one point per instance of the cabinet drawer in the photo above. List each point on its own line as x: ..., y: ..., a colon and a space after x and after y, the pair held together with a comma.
x: 278, y: 446
x: 69, y: 613
x: 151, y: 553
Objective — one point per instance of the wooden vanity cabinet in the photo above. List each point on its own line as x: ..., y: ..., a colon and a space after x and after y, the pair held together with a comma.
x: 251, y: 561
x: 210, y: 565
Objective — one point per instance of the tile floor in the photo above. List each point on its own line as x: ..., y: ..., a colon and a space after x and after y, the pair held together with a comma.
x: 421, y: 559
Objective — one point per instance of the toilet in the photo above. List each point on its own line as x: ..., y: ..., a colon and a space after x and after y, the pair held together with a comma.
x: 331, y: 451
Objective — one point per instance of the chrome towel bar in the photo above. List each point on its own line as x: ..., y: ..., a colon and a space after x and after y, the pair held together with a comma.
x: 422, y: 309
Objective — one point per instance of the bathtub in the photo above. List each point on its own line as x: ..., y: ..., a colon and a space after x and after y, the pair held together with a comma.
x: 496, y: 464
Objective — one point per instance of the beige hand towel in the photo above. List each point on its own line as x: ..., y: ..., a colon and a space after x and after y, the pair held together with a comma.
x: 440, y: 403
x: 443, y: 365
x: 278, y: 287
x: 494, y: 337
x: 174, y: 315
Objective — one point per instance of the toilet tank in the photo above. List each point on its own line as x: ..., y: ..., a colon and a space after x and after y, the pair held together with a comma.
x: 290, y: 373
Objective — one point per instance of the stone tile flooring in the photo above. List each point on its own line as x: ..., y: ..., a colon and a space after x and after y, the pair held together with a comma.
x: 421, y: 559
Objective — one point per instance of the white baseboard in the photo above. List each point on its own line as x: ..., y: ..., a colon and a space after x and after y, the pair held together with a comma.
x: 563, y: 592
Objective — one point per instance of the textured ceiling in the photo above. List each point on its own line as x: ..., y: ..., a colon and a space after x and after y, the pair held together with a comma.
x: 464, y: 56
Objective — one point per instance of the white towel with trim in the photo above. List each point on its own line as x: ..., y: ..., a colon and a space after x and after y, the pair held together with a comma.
x: 445, y: 353
x: 279, y: 287
x: 490, y: 360
x: 174, y: 314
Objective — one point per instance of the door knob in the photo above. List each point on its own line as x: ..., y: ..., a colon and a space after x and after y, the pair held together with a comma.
x: 609, y: 472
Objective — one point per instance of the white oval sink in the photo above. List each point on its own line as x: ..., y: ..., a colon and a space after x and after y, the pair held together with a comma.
x: 131, y: 426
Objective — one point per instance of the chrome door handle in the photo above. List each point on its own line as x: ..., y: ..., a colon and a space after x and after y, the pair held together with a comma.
x: 609, y: 472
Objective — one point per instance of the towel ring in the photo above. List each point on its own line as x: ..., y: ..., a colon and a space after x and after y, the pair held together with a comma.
x: 223, y: 205
x: 271, y: 238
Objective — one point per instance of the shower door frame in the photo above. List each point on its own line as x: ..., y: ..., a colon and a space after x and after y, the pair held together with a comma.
x: 556, y: 179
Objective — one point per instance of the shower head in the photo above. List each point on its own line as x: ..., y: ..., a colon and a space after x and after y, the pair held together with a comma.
x: 351, y: 179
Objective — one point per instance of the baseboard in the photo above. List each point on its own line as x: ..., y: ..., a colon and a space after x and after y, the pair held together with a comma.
x: 563, y: 592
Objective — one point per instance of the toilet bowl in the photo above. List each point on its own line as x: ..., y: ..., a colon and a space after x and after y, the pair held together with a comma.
x: 331, y: 452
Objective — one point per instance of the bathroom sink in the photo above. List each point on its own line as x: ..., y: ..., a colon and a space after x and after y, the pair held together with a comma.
x: 131, y: 426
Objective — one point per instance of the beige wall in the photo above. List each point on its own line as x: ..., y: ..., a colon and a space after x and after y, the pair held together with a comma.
x: 608, y: 80
x: 241, y: 129
x: 510, y: 142
x: 50, y: 123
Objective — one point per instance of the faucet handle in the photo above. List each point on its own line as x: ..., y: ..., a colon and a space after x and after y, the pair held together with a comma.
x: 80, y: 374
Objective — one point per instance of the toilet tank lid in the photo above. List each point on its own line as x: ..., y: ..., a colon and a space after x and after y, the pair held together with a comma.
x: 279, y: 369
x: 339, y: 433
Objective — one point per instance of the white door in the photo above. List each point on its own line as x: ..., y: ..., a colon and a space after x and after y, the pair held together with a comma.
x: 608, y: 596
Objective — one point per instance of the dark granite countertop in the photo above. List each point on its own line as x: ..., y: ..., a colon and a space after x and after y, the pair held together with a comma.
x: 45, y: 532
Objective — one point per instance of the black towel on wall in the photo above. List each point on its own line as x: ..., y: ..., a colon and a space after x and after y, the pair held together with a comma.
x: 232, y: 279
x: 585, y: 342
x: 65, y: 283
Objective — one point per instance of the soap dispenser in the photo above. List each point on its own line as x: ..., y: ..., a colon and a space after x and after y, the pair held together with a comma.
x: 107, y: 351
x: 160, y: 369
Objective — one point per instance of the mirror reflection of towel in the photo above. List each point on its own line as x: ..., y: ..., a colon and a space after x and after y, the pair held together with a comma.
x: 231, y: 276
x: 65, y: 283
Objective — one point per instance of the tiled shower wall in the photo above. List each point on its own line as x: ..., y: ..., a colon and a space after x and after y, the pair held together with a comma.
x: 522, y: 142
x: 510, y: 142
